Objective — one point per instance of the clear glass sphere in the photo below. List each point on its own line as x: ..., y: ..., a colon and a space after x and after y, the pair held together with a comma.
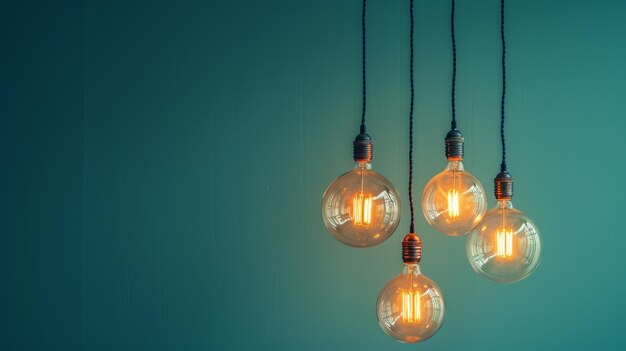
x: 410, y: 307
x: 454, y: 201
x: 361, y: 208
x: 505, y: 246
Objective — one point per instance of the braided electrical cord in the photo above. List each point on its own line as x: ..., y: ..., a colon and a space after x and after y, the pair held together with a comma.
x: 453, y: 123
x: 412, y: 227
x: 363, y: 128
x: 502, y: 139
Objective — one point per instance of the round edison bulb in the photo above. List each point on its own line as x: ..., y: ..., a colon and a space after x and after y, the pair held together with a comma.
x: 454, y: 201
x: 505, y: 246
x: 361, y: 208
x: 410, y: 307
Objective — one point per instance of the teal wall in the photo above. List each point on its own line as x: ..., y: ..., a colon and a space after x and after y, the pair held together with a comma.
x: 162, y: 165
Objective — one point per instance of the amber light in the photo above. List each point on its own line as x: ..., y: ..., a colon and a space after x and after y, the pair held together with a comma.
x: 453, y: 201
x: 453, y: 204
x: 504, y: 243
x: 504, y: 239
x: 362, y: 209
x: 411, y: 307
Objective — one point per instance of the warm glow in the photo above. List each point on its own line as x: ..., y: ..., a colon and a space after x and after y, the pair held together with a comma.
x: 453, y: 204
x: 362, y: 209
x: 504, y: 243
x: 411, y: 308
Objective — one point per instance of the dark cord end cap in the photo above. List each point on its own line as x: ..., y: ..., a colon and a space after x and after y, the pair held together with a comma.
x: 412, y: 248
x: 454, y: 145
x: 362, y: 148
x: 503, y: 186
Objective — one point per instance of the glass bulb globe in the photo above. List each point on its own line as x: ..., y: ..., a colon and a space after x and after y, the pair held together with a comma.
x: 361, y: 208
x: 454, y: 201
x: 410, y: 307
x: 505, y: 246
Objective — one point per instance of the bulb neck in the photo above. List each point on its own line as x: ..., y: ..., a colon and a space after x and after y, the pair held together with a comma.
x: 362, y: 166
x: 454, y: 145
x: 362, y: 147
x: 411, y: 268
x: 411, y: 249
x: 504, y: 205
x: 456, y: 166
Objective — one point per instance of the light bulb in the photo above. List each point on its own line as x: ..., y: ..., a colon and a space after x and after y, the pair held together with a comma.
x: 361, y: 208
x: 505, y: 246
x: 410, y: 308
x: 454, y: 201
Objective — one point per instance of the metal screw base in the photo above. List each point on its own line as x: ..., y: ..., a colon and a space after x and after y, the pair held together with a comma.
x: 362, y: 148
x: 454, y: 145
x: 411, y: 248
x: 503, y: 186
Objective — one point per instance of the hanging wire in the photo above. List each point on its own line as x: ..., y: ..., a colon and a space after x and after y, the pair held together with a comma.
x: 363, y: 128
x: 453, y: 123
x: 412, y: 228
x: 503, y: 164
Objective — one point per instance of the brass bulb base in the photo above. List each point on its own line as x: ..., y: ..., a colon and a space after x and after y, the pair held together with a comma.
x: 454, y: 145
x: 412, y: 248
x: 362, y: 148
x: 503, y: 186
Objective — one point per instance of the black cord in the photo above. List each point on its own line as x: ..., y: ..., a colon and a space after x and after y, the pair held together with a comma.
x: 503, y: 164
x: 363, y: 128
x: 412, y: 228
x: 453, y: 123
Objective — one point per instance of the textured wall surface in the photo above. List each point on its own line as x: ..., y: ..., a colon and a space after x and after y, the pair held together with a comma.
x: 163, y: 164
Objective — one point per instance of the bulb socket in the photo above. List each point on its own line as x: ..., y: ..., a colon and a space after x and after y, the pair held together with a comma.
x: 412, y: 248
x: 362, y: 148
x: 454, y: 145
x: 503, y: 186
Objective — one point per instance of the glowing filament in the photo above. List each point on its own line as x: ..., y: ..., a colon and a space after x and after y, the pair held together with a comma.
x: 362, y: 209
x: 453, y: 204
x: 504, y: 243
x: 411, y: 311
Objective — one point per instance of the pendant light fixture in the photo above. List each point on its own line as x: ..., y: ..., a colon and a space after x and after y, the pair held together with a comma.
x: 410, y: 308
x: 361, y: 208
x: 505, y: 246
x: 454, y: 201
